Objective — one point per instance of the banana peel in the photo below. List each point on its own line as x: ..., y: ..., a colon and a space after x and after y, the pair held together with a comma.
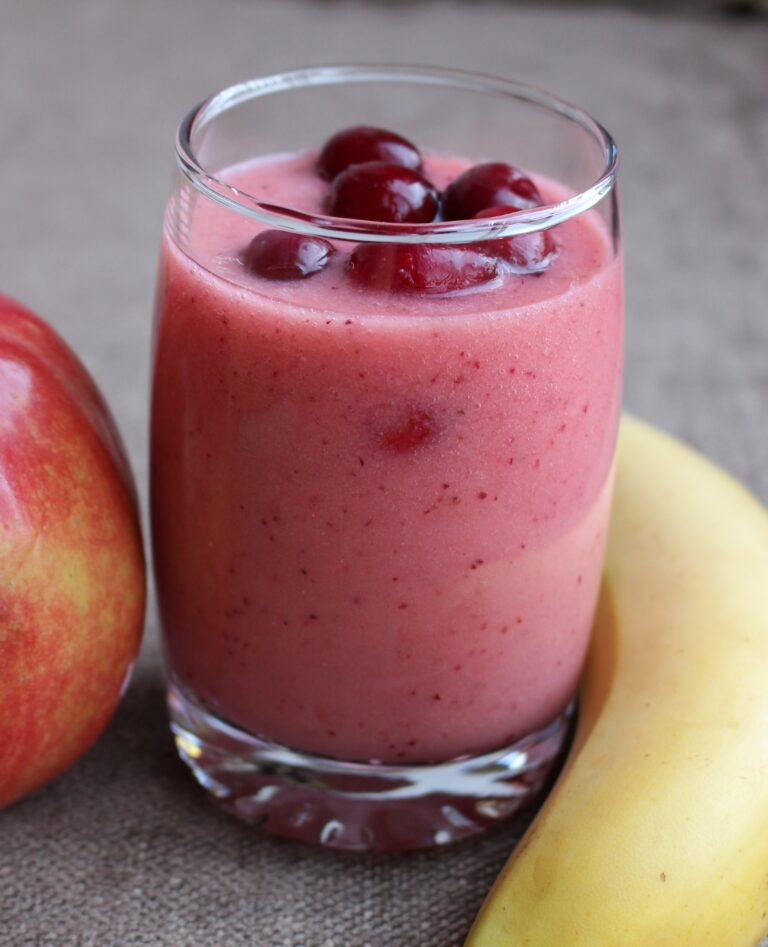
x: 656, y: 833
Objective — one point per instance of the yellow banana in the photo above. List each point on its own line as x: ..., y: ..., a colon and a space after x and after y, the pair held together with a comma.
x: 656, y: 834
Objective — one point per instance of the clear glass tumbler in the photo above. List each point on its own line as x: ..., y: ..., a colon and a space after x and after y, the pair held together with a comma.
x: 382, y: 452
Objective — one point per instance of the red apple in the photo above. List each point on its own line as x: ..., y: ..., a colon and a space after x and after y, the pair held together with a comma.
x: 72, y: 574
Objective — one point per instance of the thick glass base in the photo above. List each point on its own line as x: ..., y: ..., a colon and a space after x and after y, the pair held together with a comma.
x: 361, y: 806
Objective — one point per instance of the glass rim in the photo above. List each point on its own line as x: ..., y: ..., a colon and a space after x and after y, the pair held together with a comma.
x: 537, y: 218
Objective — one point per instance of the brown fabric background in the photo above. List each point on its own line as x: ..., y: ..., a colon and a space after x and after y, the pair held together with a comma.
x: 124, y: 849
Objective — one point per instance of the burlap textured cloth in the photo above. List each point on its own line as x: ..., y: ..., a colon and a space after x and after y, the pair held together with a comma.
x: 124, y: 849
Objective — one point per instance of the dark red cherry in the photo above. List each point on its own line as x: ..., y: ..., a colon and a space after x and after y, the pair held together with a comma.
x: 523, y: 253
x: 364, y: 143
x: 422, y: 268
x: 282, y: 255
x: 489, y: 185
x: 386, y: 192
x: 407, y: 431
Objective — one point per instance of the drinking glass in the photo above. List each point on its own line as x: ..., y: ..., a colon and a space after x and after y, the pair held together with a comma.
x: 380, y: 492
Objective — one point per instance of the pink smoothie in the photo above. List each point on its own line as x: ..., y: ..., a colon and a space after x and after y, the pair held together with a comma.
x: 334, y: 594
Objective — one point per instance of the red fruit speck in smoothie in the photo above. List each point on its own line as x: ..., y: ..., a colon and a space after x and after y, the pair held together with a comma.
x: 414, y: 428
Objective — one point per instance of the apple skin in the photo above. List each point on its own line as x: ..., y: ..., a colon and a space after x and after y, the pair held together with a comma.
x: 72, y: 570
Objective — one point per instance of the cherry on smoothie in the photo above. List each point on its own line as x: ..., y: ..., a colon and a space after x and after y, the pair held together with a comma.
x: 386, y: 192
x: 494, y: 184
x: 523, y: 253
x: 281, y: 255
x: 363, y: 143
x: 422, y: 268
